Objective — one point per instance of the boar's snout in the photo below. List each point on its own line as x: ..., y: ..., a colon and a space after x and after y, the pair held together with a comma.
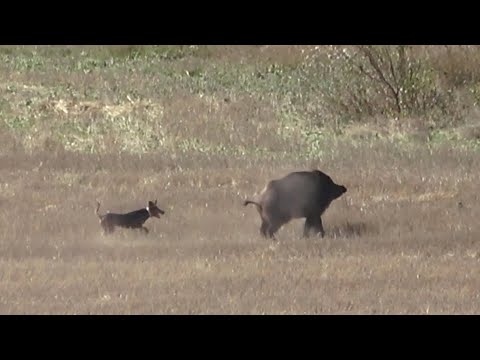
x: 339, y: 191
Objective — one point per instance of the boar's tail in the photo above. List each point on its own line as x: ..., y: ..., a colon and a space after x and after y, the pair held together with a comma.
x: 254, y: 203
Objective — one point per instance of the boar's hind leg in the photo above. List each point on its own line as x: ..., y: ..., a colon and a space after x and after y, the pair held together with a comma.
x: 272, y: 229
x: 264, y: 227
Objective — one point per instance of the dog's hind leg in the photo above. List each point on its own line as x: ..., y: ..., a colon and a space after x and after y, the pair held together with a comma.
x: 144, y: 229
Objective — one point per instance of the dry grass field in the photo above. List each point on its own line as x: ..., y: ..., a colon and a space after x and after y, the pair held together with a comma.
x: 200, y: 132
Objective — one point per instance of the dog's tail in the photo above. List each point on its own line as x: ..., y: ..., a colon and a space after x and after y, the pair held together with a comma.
x: 246, y: 202
x: 96, y: 210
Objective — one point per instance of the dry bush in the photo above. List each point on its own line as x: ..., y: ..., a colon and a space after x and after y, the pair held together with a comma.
x: 358, y: 83
x: 459, y: 64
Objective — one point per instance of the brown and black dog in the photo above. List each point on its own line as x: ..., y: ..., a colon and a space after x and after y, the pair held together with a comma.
x: 134, y: 219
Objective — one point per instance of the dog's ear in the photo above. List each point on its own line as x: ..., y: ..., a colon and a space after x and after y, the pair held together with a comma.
x: 150, y: 204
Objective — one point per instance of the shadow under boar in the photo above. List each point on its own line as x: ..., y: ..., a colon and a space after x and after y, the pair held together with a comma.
x: 301, y: 194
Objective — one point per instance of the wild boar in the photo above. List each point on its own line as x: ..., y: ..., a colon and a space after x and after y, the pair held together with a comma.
x: 301, y: 194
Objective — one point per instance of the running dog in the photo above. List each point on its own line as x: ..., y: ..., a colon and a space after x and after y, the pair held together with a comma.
x: 133, y: 220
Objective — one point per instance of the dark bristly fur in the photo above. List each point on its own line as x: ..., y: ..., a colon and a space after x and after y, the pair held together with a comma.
x: 302, y: 194
x: 134, y: 219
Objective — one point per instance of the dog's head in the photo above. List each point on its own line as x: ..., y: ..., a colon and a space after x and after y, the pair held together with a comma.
x: 154, y: 210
